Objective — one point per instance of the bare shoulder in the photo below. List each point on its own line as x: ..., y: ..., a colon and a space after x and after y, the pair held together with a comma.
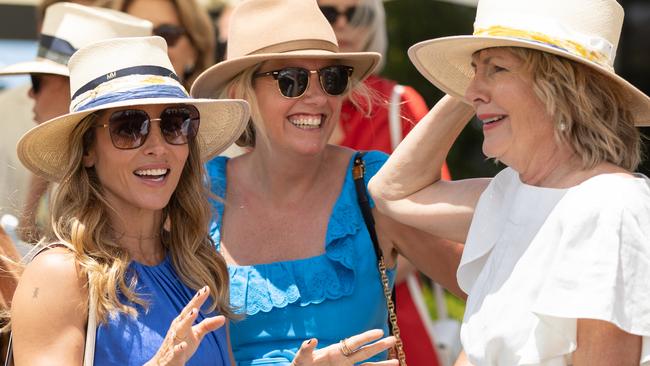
x: 339, y: 156
x: 50, y: 291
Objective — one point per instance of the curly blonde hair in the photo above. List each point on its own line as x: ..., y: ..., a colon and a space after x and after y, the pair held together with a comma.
x: 79, y: 221
x: 590, y: 112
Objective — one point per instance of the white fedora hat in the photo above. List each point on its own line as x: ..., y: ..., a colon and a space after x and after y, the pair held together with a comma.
x: 261, y: 30
x: 585, y: 31
x: 68, y: 27
x: 126, y: 72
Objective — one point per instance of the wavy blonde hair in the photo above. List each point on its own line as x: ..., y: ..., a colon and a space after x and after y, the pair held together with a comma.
x: 79, y: 221
x: 597, y: 122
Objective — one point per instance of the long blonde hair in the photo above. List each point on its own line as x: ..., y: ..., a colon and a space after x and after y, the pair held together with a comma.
x: 79, y: 221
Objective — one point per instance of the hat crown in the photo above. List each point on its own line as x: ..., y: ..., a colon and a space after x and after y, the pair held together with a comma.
x: 95, y: 71
x: 587, y: 28
x: 68, y: 27
x: 296, y: 24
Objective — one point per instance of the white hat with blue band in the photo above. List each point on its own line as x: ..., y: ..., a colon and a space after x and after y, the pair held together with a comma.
x: 126, y: 72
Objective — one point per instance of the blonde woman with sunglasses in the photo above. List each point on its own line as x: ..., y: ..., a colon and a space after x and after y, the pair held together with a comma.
x: 290, y: 226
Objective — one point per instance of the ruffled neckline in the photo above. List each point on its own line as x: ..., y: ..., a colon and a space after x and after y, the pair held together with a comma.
x: 329, y: 276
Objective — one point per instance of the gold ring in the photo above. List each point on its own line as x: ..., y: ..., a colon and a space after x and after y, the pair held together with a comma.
x: 344, y: 348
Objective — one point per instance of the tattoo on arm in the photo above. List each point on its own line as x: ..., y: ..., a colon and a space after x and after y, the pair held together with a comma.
x: 35, y: 294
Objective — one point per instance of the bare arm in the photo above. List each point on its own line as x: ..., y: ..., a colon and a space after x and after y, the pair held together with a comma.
x: 49, y: 311
x: 435, y: 257
x: 408, y: 187
x: 601, y: 343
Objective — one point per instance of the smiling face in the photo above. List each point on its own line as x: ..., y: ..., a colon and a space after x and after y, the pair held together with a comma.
x: 143, y: 178
x: 516, y: 124
x: 302, y: 125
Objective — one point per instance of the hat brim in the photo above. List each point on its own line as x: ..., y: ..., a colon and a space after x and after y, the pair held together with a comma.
x: 212, y: 80
x: 446, y: 63
x: 38, y: 66
x: 44, y: 148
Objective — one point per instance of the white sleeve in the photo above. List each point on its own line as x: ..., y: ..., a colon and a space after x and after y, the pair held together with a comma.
x: 601, y: 271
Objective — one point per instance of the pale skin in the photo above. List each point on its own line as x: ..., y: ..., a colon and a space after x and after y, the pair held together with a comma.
x: 409, y: 188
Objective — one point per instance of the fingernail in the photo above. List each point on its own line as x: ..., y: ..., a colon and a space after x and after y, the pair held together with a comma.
x: 309, y: 341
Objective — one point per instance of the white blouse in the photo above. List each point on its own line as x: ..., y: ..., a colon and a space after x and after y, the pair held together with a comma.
x: 536, y: 259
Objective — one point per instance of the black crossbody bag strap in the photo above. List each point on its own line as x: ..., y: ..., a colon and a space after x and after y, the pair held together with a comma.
x: 358, y: 172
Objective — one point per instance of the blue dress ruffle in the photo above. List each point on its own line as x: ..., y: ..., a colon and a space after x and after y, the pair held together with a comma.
x: 342, y: 283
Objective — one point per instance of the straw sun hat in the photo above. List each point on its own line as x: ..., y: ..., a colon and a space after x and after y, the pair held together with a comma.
x: 126, y: 72
x: 68, y: 27
x: 262, y: 30
x: 585, y: 31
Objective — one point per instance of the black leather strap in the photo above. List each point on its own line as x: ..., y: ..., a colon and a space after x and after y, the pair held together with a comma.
x: 358, y: 172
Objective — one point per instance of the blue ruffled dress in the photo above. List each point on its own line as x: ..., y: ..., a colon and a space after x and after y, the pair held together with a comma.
x: 125, y: 340
x: 330, y: 296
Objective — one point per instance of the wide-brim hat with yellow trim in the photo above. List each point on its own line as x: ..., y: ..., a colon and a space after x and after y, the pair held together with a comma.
x: 68, y: 27
x: 262, y: 30
x: 126, y: 72
x: 585, y: 31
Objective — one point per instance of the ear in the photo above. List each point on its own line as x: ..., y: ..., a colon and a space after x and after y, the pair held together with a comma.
x: 89, y: 158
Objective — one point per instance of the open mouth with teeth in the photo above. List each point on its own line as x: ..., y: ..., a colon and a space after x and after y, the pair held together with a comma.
x: 306, y: 122
x: 493, y: 120
x: 156, y: 175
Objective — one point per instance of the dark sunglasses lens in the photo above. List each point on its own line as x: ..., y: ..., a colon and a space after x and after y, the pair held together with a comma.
x: 179, y: 124
x: 128, y: 128
x: 171, y: 33
x: 36, y: 83
x: 293, y: 81
x: 330, y: 12
x: 334, y: 79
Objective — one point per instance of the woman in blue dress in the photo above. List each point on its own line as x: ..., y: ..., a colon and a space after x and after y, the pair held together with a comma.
x: 300, y: 258
x: 129, y: 250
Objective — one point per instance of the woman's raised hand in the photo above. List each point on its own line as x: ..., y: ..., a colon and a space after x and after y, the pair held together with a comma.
x: 347, y: 352
x: 183, y: 337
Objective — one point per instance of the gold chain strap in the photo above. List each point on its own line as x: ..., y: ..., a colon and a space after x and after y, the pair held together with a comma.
x: 398, y: 350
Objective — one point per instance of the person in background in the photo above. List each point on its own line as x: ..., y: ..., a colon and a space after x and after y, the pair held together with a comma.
x: 66, y: 27
x: 290, y: 226
x: 186, y: 27
x: 557, y: 253
x: 360, y: 26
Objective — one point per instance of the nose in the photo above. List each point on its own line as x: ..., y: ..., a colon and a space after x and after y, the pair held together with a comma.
x: 341, y: 21
x: 315, y: 93
x: 155, y: 144
x: 31, y: 93
x: 476, y: 92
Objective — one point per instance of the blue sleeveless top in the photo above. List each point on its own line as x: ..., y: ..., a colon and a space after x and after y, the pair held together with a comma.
x: 125, y: 340
x: 330, y: 296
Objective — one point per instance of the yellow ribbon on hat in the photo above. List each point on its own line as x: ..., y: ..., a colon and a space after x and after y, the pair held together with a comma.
x: 570, y: 46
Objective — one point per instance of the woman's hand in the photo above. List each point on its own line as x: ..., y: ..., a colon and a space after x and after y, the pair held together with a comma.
x: 183, y: 338
x: 357, y: 348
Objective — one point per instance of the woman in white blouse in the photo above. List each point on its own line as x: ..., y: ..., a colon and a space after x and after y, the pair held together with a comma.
x: 557, y: 256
